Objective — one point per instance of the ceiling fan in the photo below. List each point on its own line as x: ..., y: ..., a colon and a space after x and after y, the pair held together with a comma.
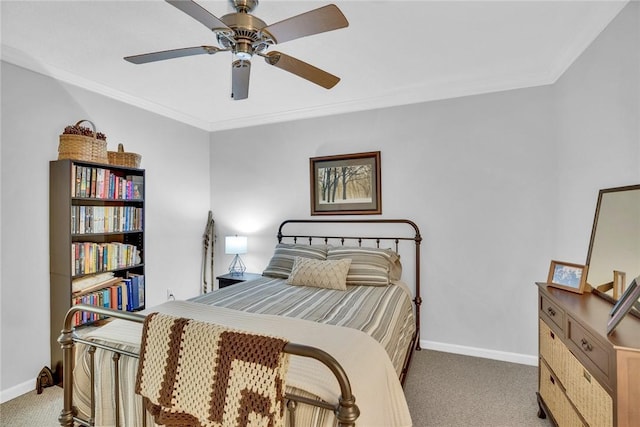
x: 246, y: 35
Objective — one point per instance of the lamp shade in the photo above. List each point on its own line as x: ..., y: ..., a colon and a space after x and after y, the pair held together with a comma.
x: 235, y: 245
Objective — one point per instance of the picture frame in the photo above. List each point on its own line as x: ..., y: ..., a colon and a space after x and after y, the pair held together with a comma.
x: 346, y: 184
x: 568, y: 276
x: 619, y: 279
x: 627, y: 301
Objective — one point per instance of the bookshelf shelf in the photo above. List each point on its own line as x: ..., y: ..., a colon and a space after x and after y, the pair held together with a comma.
x: 80, y: 235
x: 96, y: 242
x: 113, y: 270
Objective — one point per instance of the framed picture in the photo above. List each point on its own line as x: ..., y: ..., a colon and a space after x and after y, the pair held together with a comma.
x: 571, y: 277
x: 628, y: 299
x: 347, y: 184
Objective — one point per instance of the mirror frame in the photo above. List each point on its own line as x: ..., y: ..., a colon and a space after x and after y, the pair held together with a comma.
x: 601, y: 193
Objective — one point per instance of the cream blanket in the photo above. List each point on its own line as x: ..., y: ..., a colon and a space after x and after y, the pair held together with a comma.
x: 203, y: 375
x: 374, y: 381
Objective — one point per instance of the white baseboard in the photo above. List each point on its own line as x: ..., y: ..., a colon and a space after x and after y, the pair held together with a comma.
x: 18, y: 390
x: 523, y: 359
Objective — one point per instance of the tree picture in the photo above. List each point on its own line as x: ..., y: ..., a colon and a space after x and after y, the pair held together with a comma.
x: 346, y: 184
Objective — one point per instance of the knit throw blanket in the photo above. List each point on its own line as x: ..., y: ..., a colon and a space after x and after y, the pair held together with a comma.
x: 194, y: 373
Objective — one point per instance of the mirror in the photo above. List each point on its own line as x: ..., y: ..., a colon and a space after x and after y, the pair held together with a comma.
x: 615, y: 241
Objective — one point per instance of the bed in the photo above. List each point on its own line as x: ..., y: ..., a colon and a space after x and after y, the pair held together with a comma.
x: 353, y: 339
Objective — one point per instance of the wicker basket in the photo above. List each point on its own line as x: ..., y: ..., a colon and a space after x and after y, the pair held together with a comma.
x: 121, y: 158
x: 80, y: 147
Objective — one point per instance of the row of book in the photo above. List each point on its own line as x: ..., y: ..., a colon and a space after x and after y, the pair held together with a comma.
x: 100, y: 183
x: 105, y: 219
x: 92, y: 257
x: 122, y: 294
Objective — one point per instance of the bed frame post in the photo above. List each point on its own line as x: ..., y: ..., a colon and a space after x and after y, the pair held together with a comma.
x: 68, y: 411
x: 347, y: 412
x: 418, y: 299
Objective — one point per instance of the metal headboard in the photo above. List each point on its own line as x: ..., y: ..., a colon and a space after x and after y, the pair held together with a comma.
x: 325, y: 238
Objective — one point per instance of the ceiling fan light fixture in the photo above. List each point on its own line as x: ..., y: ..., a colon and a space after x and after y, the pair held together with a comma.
x: 243, y: 51
x: 242, y: 56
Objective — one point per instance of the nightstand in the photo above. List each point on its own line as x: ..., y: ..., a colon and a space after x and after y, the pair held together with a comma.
x: 231, y: 279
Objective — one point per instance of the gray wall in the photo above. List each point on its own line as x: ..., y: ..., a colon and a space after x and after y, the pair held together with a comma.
x: 35, y: 110
x: 598, y: 121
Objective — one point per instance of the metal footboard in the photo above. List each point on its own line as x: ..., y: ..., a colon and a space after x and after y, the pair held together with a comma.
x: 345, y: 410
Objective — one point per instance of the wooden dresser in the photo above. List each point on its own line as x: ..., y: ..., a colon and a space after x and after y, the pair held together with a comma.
x: 586, y: 378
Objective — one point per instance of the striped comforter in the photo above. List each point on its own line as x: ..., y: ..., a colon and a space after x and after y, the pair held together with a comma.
x: 383, y: 313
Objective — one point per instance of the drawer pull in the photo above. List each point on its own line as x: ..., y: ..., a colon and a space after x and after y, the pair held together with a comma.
x: 586, y: 375
x: 551, y: 311
x: 585, y: 345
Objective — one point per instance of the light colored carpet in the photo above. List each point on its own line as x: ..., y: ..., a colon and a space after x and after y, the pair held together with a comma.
x: 443, y: 390
x: 451, y: 390
x: 33, y: 410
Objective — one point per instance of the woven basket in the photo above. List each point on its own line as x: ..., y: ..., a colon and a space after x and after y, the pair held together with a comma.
x: 80, y: 147
x: 121, y: 158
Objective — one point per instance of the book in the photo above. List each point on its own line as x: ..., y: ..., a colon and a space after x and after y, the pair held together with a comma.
x: 106, y: 298
x: 130, y: 303
x: 137, y: 186
x: 113, y: 297
x: 92, y: 191
x: 137, y: 281
x: 74, y: 179
x: 83, y: 183
x: 124, y: 296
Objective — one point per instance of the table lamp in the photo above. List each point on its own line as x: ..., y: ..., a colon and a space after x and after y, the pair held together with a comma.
x: 236, y: 245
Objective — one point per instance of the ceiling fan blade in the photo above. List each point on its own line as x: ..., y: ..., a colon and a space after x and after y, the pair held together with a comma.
x: 301, y: 69
x: 240, y: 72
x: 326, y: 18
x: 170, y: 54
x: 199, y: 13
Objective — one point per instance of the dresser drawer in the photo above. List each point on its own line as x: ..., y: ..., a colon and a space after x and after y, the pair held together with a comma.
x: 589, y: 347
x: 551, y: 311
x: 553, y: 351
x: 589, y: 397
x: 554, y: 397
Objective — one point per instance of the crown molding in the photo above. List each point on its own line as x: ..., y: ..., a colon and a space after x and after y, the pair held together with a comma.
x: 415, y: 95
x: 584, y: 40
x: 20, y: 59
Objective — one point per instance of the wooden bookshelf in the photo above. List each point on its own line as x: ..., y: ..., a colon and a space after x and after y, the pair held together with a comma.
x: 98, y: 210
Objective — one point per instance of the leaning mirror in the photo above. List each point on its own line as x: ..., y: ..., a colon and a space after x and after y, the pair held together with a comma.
x: 615, y: 242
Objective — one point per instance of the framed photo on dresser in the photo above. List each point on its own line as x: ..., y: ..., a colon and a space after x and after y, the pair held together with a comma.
x: 568, y: 276
x: 628, y: 299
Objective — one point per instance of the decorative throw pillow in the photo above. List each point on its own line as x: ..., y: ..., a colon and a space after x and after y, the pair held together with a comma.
x: 369, y: 266
x: 281, y: 262
x: 320, y: 274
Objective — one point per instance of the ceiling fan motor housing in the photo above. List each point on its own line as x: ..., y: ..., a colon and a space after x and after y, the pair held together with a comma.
x: 247, y: 31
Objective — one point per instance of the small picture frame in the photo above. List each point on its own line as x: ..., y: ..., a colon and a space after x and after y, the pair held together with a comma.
x: 628, y: 299
x: 567, y: 276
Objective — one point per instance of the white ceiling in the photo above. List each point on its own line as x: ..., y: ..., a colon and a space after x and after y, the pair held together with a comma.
x: 392, y: 53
